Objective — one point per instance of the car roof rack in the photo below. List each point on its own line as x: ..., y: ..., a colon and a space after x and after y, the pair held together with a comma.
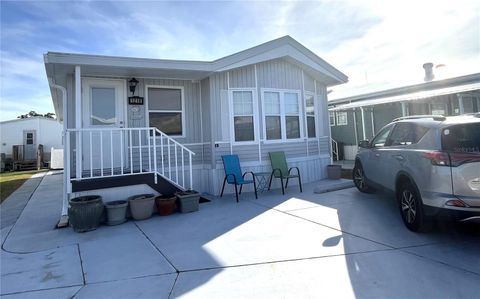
x: 434, y: 117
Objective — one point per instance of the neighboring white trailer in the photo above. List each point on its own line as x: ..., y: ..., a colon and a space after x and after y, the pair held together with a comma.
x: 29, y: 133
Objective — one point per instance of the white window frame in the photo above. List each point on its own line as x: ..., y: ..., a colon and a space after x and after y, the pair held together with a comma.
x: 147, y: 110
x: 309, y: 93
x: 346, y: 118
x: 255, y: 116
x: 332, y: 116
x: 283, y: 120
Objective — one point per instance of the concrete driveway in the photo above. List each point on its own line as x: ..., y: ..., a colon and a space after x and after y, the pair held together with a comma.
x: 340, y: 244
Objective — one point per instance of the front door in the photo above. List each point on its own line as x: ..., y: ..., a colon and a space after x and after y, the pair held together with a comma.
x: 103, y: 109
x: 29, y: 144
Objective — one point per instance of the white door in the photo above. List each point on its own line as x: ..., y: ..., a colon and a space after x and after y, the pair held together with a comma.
x: 29, y: 145
x: 103, y: 108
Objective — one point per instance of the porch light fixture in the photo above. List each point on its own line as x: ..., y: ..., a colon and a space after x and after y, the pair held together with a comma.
x: 133, y: 84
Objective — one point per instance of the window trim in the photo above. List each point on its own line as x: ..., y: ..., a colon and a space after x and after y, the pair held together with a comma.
x: 346, y: 118
x: 255, y: 116
x: 283, y: 124
x: 182, y: 98
x: 330, y: 113
x: 309, y: 93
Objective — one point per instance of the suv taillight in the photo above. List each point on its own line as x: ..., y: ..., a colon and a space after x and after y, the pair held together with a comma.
x: 437, y: 158
x: 451, y: 159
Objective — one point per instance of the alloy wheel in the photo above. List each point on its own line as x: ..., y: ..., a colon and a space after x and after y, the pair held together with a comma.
x: 359, y: 178
x: 409, y: 206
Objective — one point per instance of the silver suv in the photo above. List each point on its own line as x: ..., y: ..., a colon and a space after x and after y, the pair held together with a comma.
x: 432, y: 163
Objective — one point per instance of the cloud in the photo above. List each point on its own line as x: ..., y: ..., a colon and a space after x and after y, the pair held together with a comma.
x: 378, y: 44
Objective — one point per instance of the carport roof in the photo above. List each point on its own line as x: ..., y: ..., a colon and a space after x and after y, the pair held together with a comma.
x: 411, y: 96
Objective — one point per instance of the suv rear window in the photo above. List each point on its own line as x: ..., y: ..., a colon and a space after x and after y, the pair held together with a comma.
x: 464, y: 138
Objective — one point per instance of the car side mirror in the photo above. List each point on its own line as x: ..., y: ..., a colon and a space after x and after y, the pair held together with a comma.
x: 364, y: 144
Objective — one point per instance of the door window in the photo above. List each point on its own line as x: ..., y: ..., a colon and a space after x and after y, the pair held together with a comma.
x: 103, y: 107
x: 381, y: 138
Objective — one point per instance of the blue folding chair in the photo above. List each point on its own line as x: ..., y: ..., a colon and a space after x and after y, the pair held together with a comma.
x: 233, y: 174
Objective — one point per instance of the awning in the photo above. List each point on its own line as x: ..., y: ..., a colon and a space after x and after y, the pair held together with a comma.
x: 408, y: 96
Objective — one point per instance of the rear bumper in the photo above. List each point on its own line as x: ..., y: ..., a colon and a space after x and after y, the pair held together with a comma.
x: 454, y: 214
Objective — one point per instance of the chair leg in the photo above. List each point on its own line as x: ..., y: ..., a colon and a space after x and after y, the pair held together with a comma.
x: 300, y: 182
x: 286, y: 184
x: 270, y: 183
x: 236, y: 192
x: 223, y: 187
x: 241, y: 186
x: 255, y: 188
x: 283, y: 189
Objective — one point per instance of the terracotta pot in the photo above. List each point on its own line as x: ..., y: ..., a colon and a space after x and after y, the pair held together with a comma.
x: 166, y: 205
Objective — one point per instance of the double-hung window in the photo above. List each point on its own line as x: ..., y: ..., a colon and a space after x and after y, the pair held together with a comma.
x: 331, y: 115
x: 282, y: 115
x: 310, y: 115
x: 342, y: 118
x: 165, y: 110
x: 243, y: 115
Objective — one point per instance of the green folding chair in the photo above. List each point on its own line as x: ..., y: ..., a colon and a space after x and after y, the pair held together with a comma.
x: 281, y: 171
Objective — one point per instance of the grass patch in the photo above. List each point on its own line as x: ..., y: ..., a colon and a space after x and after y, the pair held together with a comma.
x: 10, y: 181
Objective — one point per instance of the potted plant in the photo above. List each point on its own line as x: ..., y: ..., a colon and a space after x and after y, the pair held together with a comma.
x: 85, y: 212
x: 166, y: 205
x: 141, y: 206
x: 116, y: 212
x: 188, y: 200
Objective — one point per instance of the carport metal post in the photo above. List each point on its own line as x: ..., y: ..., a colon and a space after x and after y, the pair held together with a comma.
x: 460, y: 103
x: 355, y: 126
x: 363, y: 123
x: 78, y: 121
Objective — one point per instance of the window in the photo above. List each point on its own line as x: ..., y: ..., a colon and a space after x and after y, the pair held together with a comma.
x: 29, y: 138
x: 282, y: 115
x: 406, y: 134
x: 165, y: 110
x: 243, y: 116
x: 381, y: 138
x: 462, y: 138
x: 342, y: 118
x: 103, y: 107
x: 331, y: 114
x: 310, y: 115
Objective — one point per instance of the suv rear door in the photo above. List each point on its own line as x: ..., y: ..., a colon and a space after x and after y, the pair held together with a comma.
x: 462, y: 143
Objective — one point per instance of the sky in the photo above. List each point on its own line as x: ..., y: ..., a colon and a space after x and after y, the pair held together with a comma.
x: 377, y: 44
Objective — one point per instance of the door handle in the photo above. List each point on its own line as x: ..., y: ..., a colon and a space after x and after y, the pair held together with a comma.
x: 399, y: 157
x: 377, y: 155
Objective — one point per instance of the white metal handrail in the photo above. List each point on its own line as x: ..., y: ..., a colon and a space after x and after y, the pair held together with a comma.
x: 334, y: 149
x: 112, y: 152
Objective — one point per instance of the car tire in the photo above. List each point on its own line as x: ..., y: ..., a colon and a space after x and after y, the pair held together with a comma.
x: 359, y: 179
x: 411, y: 208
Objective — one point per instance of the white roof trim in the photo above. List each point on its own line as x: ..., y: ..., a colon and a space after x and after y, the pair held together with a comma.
x: 281, y: 47
x: 409, y: 96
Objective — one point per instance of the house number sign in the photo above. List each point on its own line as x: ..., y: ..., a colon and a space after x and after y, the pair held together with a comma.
x: 135, y: 100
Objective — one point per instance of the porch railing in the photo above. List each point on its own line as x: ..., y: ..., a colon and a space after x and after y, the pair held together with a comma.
x: 334, y: 150
x: 112, y: 152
